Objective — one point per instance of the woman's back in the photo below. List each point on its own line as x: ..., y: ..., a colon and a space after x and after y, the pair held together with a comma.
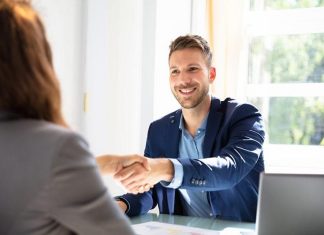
x: 49, y: 182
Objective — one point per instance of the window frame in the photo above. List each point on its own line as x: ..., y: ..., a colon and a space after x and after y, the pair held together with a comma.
x: 233, y: 34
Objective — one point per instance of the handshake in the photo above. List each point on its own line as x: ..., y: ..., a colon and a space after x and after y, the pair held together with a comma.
x: 138, y: 174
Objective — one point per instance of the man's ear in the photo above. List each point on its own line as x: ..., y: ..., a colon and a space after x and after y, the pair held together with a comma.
x: 212, y: 74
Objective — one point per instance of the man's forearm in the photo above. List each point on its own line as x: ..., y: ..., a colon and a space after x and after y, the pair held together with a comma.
x: 162, y: 168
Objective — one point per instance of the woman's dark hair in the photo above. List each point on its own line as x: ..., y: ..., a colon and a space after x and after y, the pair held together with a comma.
x: 28, y: 84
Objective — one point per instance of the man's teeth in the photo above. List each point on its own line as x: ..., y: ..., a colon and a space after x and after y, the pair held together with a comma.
x: 187, y: 90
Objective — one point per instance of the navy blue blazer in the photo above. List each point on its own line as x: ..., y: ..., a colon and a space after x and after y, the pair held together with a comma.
x: 229, y: 171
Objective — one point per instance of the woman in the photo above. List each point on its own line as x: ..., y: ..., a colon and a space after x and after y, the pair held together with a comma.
x: 49, y: 182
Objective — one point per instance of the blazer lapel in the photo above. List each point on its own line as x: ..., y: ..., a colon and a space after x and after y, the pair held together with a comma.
x: 173, y: 135
x: 172, y: 139
x: 212, y: 128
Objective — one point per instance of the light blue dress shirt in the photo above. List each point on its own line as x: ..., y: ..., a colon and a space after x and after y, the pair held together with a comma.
x: 195, y: 202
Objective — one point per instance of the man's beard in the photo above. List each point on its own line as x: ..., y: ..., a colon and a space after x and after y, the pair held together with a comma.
x: 195, y: 101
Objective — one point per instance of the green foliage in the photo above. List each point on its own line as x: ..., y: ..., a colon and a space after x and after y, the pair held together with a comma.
x: 296, y: 121
x: 295, y: 58
x: 292, y: 59
x: 284, y: 4
x: 289, y: 59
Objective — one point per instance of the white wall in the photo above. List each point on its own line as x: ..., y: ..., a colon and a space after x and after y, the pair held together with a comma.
x: 64, y: 21
x: 98, y: 50
x: 113, y: 75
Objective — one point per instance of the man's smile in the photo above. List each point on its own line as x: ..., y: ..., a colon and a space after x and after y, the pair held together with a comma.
x: 187, y: 91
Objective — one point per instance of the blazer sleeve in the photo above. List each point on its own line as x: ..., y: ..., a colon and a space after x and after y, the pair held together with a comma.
x: 78, y: 199
x: 242, y: 135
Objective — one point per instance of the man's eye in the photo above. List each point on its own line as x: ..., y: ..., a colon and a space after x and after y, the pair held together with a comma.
x: 174, y: 72
x: 193, y: 69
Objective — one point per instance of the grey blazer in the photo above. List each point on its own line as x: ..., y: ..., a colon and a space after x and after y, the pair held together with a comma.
x: 49, y: 183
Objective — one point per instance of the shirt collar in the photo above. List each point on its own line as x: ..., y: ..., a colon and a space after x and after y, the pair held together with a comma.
x: 201, y: 128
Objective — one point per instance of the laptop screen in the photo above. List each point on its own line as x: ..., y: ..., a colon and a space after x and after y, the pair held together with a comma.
x: 290, y: 204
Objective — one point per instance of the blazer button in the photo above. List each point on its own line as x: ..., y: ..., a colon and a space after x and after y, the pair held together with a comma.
x: 196, y: 182
x: 204, y: 182
x: 192, y: 181
x: 200, y: 182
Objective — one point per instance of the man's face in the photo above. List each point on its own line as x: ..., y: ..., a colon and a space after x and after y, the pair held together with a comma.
x: 189, y: 77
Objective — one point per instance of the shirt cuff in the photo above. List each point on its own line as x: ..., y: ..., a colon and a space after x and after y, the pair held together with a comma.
x: 178, y: 175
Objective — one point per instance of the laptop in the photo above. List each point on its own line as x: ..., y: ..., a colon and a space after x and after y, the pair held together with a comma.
x: 290, y: 204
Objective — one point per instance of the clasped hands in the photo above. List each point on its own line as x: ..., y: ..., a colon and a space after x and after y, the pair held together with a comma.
x: 136, y: 173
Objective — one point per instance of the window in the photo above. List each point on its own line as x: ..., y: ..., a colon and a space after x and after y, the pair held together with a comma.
x: 285, y: 80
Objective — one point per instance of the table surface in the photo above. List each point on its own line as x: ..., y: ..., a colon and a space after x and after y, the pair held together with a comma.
x: 206, y: 223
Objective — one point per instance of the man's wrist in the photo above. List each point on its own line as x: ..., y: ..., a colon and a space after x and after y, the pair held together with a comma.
x: 178, y: 175
x: 122, y: 203
x: 166, y: 169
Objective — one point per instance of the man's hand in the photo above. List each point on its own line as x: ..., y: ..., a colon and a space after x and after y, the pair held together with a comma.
x: 112, y: 164
x: 136, y: 180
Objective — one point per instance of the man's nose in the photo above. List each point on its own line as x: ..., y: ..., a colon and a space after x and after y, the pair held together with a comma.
x: 185, y: 78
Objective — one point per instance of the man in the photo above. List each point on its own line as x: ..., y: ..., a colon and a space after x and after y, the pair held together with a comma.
x: 205, y: 158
